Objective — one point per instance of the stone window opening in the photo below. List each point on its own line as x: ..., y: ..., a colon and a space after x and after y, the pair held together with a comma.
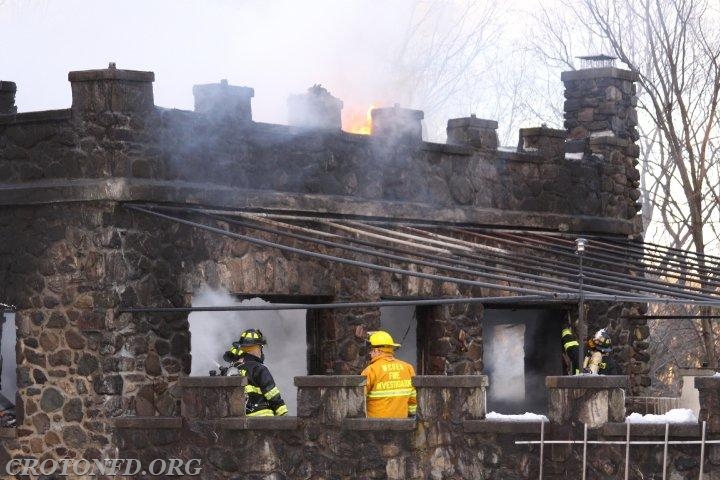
x: 521, y: 347
x: 401, y: 323
x: 292, y: 334
x: 8, y: 369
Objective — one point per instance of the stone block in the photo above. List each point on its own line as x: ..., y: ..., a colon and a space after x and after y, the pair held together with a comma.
x: 397, y: 124
x: 316, y: 109
x: 7, y: 97
x: 450, y: 398
x: 590, y: 399
x: 549, y: 142
x: 222, y: 101
x: 329, y: 399
x: 473, y: 131
x: 112, y: 90
x: 207, y: 398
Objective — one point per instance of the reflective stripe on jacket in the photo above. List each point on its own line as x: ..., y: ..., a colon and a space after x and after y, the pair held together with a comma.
x: 262, y: 396
x: 568, y: 339
x: 389, y: 389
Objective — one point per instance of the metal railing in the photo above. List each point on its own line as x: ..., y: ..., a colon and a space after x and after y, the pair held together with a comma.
x: 666, y: 442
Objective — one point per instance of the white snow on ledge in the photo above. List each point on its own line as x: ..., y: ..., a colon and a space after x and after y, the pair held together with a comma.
x: 525, y: 417
x: 676, y: 415
x: 604, y: 133
x: 574, y: 156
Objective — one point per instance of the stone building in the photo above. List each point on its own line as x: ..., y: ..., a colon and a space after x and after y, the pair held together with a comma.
x: 99, y: 206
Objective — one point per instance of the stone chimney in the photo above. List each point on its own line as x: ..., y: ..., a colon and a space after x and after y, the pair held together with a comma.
x: 7, y: 97
x: 316, y: 109
x: 473, y: 131
x: 224, y: 101
x: 548, y: 142
x: 112, y: 90
x: 397, y: 124
x: 601, y: 120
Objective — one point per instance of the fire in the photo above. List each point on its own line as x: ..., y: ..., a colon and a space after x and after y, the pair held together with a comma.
x: 356, y: 121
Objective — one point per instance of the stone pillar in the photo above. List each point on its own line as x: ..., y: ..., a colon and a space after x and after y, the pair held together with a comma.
x: 709, y: 395
x: 316, y: 109
x: 397, y: 124
x: 458, y: 397
x: 112, y: 90
x: 7, y: 97
x: 224, y: 102
x: 591, y: 399
x: 210, y: 398
x: 548, y: 142
x: 330, y: 398
x: 472, y: 131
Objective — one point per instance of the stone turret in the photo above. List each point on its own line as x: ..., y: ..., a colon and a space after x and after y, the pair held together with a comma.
x: 397, y: 124
x: 224, y: 101
x: 112, y: 90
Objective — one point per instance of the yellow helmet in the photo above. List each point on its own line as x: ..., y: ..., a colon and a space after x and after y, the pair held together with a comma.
x: 381, y: 339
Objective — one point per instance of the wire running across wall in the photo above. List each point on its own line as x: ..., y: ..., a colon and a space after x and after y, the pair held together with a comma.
x: 522, y: 263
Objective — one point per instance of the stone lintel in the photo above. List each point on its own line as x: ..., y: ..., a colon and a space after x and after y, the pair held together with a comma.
x: 258, y: 423
x: 212, y: 382
x: 379, y: 424
x: 588, y: 381
x: 602, y: 72
x: 111, y: 74
x: 149, y: 423
x: 320, y: 381
x: 615, y: 429
x: 495, y: 426
x: 609, y: 141
x: 544, y: 131
x: 450, y: 381
x: 33, y: 117
x: 709, y: 382
x: 472, y: 121
x: 125, y: 190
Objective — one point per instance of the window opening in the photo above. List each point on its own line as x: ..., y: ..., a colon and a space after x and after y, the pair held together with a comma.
x: 401, y: 324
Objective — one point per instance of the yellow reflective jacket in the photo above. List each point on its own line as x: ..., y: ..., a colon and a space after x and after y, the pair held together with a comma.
x: 389, y: 389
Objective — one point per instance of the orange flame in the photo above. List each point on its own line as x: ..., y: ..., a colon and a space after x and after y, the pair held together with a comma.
x: 356, y: 121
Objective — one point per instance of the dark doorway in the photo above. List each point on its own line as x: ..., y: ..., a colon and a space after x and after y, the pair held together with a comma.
x: 521, y: 346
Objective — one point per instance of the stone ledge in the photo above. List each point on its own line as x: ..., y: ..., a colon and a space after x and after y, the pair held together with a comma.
x: 259, y: 423
x: 111, y: 74
x: 379, y: 424
x: 707, y: 382
x: 31, y: 117
x: 451, y: 381
x: 614, y: 429
x: 212, y: 382
x: 6, y: 432
x: 495, y: 426
x: 604, y: 72
x: 126, y: 190
x: 588, y: 381
x: 447, y: 148
x: 330, y: 381
x: 149, y: 422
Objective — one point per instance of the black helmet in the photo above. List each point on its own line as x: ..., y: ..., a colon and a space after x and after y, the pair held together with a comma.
x: 249, y: 337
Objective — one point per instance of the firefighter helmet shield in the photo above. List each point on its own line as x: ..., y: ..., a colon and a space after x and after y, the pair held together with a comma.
x: 381, y: 339
x: 602, y: 338
x: 249, y: 337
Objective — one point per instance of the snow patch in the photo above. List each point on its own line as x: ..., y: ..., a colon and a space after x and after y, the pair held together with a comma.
x: 525, y: 417
x: 604, y: 133
x: 508, y: 149
x: 717, y: 374
x: 574, y: 156
x: 676, y: 415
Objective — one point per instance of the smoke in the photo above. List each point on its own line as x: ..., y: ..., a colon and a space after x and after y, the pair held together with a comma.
x: 212, y: 333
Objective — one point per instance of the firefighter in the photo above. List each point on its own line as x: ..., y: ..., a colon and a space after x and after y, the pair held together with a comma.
x: 570, y: 349
x: 389, y: 389
x: 597, y: 346
x: 262, y: 395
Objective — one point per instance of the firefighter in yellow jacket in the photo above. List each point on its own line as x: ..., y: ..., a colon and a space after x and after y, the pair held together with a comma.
x: 389, y: 389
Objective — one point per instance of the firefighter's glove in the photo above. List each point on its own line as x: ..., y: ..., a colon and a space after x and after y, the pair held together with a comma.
x: 223, y: 371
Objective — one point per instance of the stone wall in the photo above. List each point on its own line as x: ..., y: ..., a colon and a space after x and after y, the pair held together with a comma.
x: 71, y: 254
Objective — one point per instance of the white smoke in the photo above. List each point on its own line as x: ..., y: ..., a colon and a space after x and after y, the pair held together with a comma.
x: 212, y: 333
